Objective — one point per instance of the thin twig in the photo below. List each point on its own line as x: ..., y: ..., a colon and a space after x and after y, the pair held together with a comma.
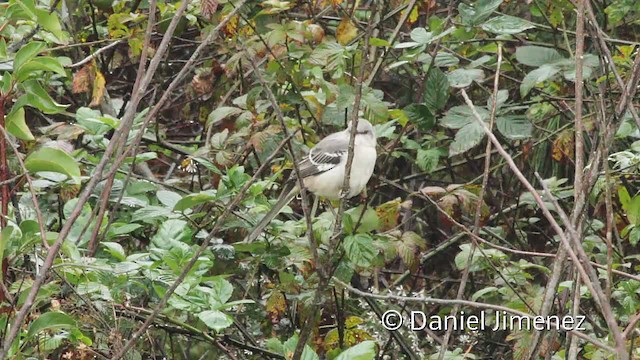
x: 473, y: 304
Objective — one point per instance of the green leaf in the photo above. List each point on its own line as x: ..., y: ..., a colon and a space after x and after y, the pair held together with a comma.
x: 55, y: 160
x: 221, y: 292
x: 5, y: 238
x: 378, y: 42
x: 116, y: 250
x: 501, y: 98
x: 461, y: 78
x: 50, y: 22
x: 538, y: 75
x: 537, y: 55
x: 634, y: 236
x: 633, y: 210
x: 17, y: 126
x: 420, y: 115
x: 27, y: 52
x: 3, y: 49
x: 29, y: 9
x: 289, y: 347
x: 421, y: 36
x: 94, y: 122
x: 436, y: 90
x: 359, y: 249
x: 40, y: 63
x: 427, y: 159
x: 221, y: 113
x: 365, y: 350
x: 514, y: 127
x: 192, y: 200
x: 368, y: 221
x: 507, y: 25
x: 168, y: 198
x: 36, y: 96
x: 466, y: 138
x: 479, y: 12
x: 215, y: 319
x: 53, y: 320
x: 170, y: 232
x: 459, y: 116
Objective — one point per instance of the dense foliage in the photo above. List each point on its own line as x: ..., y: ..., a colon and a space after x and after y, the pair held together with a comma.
x: 140, y: 141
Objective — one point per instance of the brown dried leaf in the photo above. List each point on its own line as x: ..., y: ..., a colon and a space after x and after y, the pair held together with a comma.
x: 202, y: 83
x: 433, y: 190
x: 82, y: 79
x: 208, y: 8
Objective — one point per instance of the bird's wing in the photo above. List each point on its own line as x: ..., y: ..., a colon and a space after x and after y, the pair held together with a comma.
x: 326, y: 155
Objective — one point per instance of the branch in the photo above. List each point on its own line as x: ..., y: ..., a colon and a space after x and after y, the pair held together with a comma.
x: 473, y: 304
x: 205, y: 244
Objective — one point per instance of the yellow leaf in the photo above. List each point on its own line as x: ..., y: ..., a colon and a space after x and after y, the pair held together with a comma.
x: 346, y: 31
x: 413, y: 16
x: 276, y: 305
x: 388, y: 214
x: 99, y: 86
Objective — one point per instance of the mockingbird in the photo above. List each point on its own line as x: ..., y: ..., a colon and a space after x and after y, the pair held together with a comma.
x: 323, y: 170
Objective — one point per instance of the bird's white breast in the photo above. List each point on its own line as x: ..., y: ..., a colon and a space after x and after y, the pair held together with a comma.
x: 329, y: 184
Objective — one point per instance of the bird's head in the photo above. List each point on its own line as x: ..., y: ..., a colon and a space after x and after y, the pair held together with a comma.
x: 364, y: 131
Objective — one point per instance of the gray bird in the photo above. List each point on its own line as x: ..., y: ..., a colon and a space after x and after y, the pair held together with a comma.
x: 323, y: 170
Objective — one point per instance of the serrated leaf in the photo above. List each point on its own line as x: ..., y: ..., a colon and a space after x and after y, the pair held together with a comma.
x: 538, y: 75
x: 507, y: 25
x: 461, y: 78
x: 420, y: 115
x: 501, y: 98
x: 171, y: 232
x: 466, y: 138
x: 427, y: 159
x: 359, y: 249
x: 537, y: 55
x: 514, y: 127
x: 477, y: 13
x: 461, y: 115
x: 221, y: 292
x: 16, y: 125
x: 436, y: 90
x: 54, y: 160
x: 215, y: 319
x: 368, y: 221
x: 221, y: 113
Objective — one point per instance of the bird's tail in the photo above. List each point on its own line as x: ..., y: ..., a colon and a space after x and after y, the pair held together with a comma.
x: 288, y: 193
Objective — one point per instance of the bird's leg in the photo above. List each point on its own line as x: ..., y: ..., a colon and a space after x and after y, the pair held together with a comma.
x: 363, y: 196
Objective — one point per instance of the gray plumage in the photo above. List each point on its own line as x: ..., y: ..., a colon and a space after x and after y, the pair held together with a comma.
x: 323, y: 169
